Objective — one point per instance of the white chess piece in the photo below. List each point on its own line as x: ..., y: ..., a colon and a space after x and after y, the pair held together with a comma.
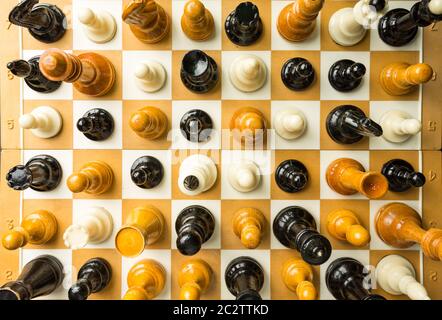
x: 44, y: 122
x: 435, y: 7
x: 99, y: 27
x: 396, y: 275
x: 248, y: 73
x: 398, y: 126
x: 198, y: 174
x: 244, y: 176
x: 150, y: 76
x: 289, y: 124
x: 94, y: 226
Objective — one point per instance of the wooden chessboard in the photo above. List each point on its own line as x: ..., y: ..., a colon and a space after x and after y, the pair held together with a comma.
x: 315, y: 149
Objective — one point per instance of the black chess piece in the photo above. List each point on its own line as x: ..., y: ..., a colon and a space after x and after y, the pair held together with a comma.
x: 147, y: 172
x: 401, y: 175
x: 244, y: 278
x: 45, y: 22
x: 92, y: 277
x: 291, y: 176
x: 30, y: 71
x: 196, y: 125
x: 96, y: 124
x: 297, y: 74
x: 295, y: 228
x: 346, y: 75
x: 348, y: 279
x: 194, y: 226
x: 348, y: 124
x: 199, y: 72
x: 39, y: 277
x: 40, y: 173
x: 243, y: 25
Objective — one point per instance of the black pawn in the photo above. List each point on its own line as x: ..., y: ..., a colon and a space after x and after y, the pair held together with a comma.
x: 93, y: 277
x: 45, y: 22
x: 199, y: 72
x: 243, y: 25
x: 401, y: 175
x: 348, y: 124
x: 244, y: 278
x: 194, y: 226
x: 39, y: 277
x: 297, y: 74
x: 291, y: 176
x: 40, y: 173
x: 96, y: 124
x: 348, y: 279
x: 295, y: 228
x: 196, y: 126
x: 346, y: 75
x: 147, y: 172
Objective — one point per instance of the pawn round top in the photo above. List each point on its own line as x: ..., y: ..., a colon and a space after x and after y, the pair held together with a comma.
x: 13, y: 240
x: 56, y: 65
x: 435, y: 7
x: 194, y: 9
x: 79, y: 291
x: 250, y: 123
x: 77, y: 182
x: 149, y: 123
x: 86, y: 16
x: 419, y: 73
x: 196, y: 125
x: 297, y: 74
x: 28, y: 121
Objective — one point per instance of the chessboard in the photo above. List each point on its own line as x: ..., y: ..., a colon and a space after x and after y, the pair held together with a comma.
x: 315, y: 149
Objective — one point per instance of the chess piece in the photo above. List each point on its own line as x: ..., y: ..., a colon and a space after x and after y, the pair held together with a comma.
x: 197, y: 21
x: 290, y: 124
x: 94, y: 177
x: 149, y: 123
x: 99, y: 27
x: 348, y: 26
x: 291, y: 176
x: 348, y: 124
x: 39, y: 277
x: 244, y: 175
x: 248, y: 73
x: 44, y: 122
x: 347, y: 279
x: 194, y: 226
x: 147, y: 20
x: 248, y: 125
x: 45, y: 22
x: 194, y: 278
x: 295, y: 228
x: 91, y: 73
x: 297, y: 20
x: 243, y: 25
x: 346, y: 75
x: 344, y: 225
x: 400, y: 226
x: 93, y: 226
x: 96, y: 124
x: 399, y: 27
x: 398, y: 126
x: 198, y: 173
x: 397, y: 276
x: 92, y: 277
x: 199, y: 72
x: 150, y: 76
x: 146, y: 279
x: 31, y: 74
x: 244, y: 278
x: 401, y: 175
x: 147, y: 172
x: 347, y: 176
x: 297, y: 74
x: 297, y: 275
x: 41, y: 173
x: 402, y: 78
x: 37, y: 228
x: 248, y: 225
x: 196, y: 125
x: 143, y: 227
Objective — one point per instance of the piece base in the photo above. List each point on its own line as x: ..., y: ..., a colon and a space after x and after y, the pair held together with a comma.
x: 244, y: 266
x: 55, y: 168
x: 337, y: 35
x: 59, y: 29
x: 101, y: 38
x: 241, y: 40
x: 299, y: 85
x: 334, y: 76
x: 332, y: 125
x: 390, y: 34
x: 154, y: 168
x: 388, y: 169
x: 56, y: 122
x: 290, y: 166
x: 108, y: 124
x: 159, y: 82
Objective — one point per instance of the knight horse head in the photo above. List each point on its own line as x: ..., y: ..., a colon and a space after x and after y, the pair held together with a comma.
x: 26, y: 15
x: 140, y: 12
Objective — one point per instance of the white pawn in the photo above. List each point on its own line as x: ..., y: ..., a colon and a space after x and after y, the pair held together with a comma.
x: 248, y: 73
x: 94, y: 226
x: 398, y: 126
x: 289, y: 124
x: 197, y: 174
x: 150, y: 76
x: 244, y: 176
x: 435, y: 6
x: 99, y: 27
x: 44, y: 122
x: 396, y: 275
